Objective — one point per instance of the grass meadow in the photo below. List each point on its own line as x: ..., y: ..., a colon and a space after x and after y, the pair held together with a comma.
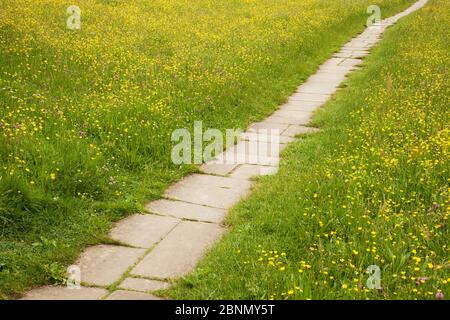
x: 371, y: 188
x: 86, y: 118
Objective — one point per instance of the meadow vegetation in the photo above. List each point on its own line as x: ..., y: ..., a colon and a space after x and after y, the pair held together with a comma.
x: 86, y: 115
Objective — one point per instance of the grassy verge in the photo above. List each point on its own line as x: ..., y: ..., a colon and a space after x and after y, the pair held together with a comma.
x: 86, y: 115
x: 372, y: 188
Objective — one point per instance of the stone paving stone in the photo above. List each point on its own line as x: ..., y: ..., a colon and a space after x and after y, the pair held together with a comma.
x: 252, y: 151
x: 246, y: 158
x: 332, y: 62
x: 359, y: 54
x: 102, y: 265
x: 179, y: 252
x: 335, y: 70
x: 309, y: 97
x: 184, y: 210
x: 301, y: 105
x: 221, y: 169
x: 143, y: 230
x: 131, y: 295
x: 293, y: 131
x: 144, y: 285
x: 64, y: 293
x: 267, y: 125
x: 351, y: 62
x: 302, y: 118
x: 292, y: 114
x: 265, y: 148
x: 325, y: 80
x: 262, y: 136
x: 343, y: 54
x: 328, y: 79
x: 213, y: 191
x: 317, y: 88
x: 248, y: 171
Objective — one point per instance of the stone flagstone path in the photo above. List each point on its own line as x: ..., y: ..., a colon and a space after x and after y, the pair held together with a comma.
x: 167, y: 241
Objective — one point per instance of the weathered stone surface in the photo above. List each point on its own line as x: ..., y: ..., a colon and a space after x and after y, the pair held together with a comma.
x: 330, y: 79
x: 103, y: 265
x: 144, y: 285
x: 263, y: 136
x: 352, y: 54
x: 317, y: 88
x: 298, y: 115
x: 343, y: 54
x: 143, y: 230
x: 351, y: 62
x: 267, y: 125
x: 186, y: 210
x: 213, y: 191
x: 340, y: 70
x: 248, y: 171
x: 254, y: 152
x: 302, y: 118
x: 64, y: 293
x: 131, y: 295
x: 179, y: 252
x: 309, y: 97
x: 221, y: 169
x: 293, y: 131
x: 301, y: 105
x: 332, y: 62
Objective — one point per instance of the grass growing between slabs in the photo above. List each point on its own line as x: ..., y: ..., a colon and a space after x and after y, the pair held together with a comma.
x: 372, y: 188
x: 86, y: 115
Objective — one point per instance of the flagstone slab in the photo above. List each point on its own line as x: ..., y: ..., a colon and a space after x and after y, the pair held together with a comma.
x: 213, y: 191
x: 328, y: 78
x: 185, y: 210
x: 351, y: 62
x: 254, y: 152
x: 317, y: 88
x: 64, y: 293
x: 332, y: 62
x: 343, y: 54
x: 143, y: 285
x: 263, y: 148
x: 341, y: 70
x: 102, y: 265
x: 301, y: 115
x: 301, y: 105
x: 221, y: 169
x: 294, y: 131
x: 324, y: 80
x: 248, y: 171
x: 267, y: 125
x: 263, y: 136
x: 303, y: 118
x: 131, y: 295
x: 142, y: 230
x: 309, y: 97
x: 178, y: 253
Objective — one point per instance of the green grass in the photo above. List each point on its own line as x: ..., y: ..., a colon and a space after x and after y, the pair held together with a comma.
x: 86, y: 116
x: 371, y: 188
